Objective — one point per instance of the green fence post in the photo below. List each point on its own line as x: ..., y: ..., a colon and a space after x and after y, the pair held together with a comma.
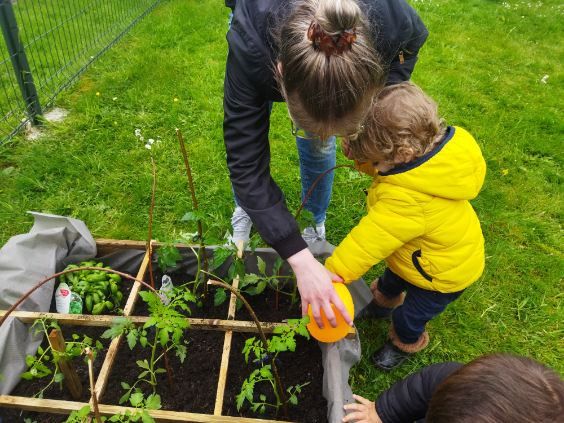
x: 19, y: 60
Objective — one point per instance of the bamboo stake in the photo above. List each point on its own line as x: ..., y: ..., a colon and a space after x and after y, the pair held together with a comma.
x: 202, y: 251
x: 94, y: 398
x: 71, y: 380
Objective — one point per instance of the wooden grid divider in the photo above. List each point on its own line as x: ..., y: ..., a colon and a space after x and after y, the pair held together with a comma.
x: 224, y: 366
x: 229, y: 326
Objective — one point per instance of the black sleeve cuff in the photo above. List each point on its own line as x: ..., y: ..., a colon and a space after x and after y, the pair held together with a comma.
x: 289, y: 246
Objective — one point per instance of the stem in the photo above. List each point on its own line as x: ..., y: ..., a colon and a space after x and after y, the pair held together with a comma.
x: 202, y: 251
x: 317, y: 180
x: 235, y: 291
x: 152, y: 362
x: 90, y: 356
x: 168, y: 369
x: 56, y: 275
x: 150, y: 229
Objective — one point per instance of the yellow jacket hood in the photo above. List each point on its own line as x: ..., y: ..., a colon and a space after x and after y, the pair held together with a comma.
x: 454, y: 170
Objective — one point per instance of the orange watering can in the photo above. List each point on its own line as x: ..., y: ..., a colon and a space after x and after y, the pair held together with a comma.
x: 330, y: 333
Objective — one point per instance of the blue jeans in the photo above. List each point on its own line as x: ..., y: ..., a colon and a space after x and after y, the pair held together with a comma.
x: 420, y: 305
x: 317, y: 157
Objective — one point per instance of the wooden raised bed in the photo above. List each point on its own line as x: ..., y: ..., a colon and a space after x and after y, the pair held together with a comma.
x: 228, y: 325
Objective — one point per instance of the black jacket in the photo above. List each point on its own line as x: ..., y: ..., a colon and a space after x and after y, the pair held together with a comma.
x: 407, y: 401
x: 250, y: 87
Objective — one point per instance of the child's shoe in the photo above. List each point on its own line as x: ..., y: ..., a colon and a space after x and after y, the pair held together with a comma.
x: 394, y: 352
x: 381, y: 307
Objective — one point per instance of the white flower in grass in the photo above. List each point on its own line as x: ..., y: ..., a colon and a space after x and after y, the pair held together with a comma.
x: 138, y: 132
x: 148, y: 146
x: 150, y: 141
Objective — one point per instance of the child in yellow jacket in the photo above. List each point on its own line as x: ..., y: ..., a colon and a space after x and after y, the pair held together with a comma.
x: 419, y: 218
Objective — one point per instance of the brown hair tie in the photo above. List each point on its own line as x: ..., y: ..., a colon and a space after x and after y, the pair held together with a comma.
x: 330, y: 44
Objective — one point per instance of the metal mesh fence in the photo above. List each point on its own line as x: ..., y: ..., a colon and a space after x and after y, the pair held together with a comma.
x: 48, y: 43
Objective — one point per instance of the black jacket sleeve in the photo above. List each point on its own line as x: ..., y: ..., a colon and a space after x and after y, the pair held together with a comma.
x: 407, y: 400
x: 246, y: 125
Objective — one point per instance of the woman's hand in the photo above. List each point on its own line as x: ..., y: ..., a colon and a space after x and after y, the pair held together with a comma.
x: 363, y: 411
x: 316, y: 288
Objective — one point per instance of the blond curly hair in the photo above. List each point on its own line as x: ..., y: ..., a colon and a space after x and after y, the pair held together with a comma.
x: 402, y: 124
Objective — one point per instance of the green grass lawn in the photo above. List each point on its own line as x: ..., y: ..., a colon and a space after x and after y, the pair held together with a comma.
x: 484, y: 63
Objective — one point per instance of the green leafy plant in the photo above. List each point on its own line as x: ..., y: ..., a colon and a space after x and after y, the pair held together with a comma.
x: 164, y: 328
x: 284, y: 340
x: 140, y: 414
x: 168, y: 256
x: 46, y: 362
x: 98, y: 289
x: 253, y: 283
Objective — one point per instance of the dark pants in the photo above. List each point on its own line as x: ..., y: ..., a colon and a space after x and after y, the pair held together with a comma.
x: 420, y: 305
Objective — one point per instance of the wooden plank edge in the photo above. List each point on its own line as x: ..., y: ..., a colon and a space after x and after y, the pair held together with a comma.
x: 224, y: 367
x: 66, y: 407
x: 132, y: 299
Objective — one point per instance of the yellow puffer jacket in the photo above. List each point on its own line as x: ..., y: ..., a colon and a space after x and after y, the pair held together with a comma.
x: 420, y: 221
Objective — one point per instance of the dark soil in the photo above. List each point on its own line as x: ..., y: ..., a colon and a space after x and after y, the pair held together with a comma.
x: 303, y: 365
x: 269, y: 309
x: 29, y: 388
x: 194, y: 381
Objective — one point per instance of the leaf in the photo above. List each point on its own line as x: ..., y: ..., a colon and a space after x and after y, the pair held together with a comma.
x: 153, y: 402
x: 160, y: 370
x: 277, y: 265
x: 181, y: 352
x: 193, y: 216
x: 167, y: 256
x: 261, y: 264
x: 27, y: 375
x: 142, y: 374
x: 293, y: 400
x: 124, y: 397
x: 265, y: 372
x: 220, y: 255
x: 58, y: 378
x: 125, y: 385
x: 84, y: 411
x: 143, y: 341
x: 240, y: 400
x: 136, y: 399
x: 262, y: 409
x: 144, y: 364
x: 262, y: 397
x: 163, y: 337
x: 146, y: 417
x: 219, y: 297
x: 132, y: 339
x: 29, y: 360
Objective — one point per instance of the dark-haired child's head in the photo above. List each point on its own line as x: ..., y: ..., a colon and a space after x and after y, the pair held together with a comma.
x: 402, y: 124
x: 499, y: 388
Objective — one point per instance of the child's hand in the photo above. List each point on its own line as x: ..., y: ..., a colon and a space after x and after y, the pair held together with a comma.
x: 364, y: 411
